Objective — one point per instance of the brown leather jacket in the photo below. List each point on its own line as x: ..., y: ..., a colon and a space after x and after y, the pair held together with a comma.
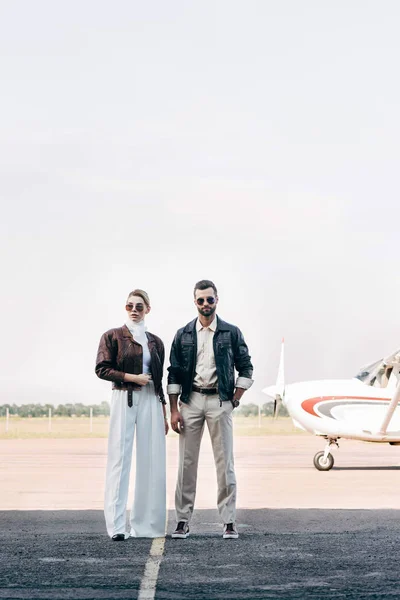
x: 118, y: 354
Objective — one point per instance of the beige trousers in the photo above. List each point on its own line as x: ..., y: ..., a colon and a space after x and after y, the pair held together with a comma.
x: 206, y: 409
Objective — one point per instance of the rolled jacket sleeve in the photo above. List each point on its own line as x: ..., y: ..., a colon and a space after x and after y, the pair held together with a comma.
x: 244, y: 383
x: 174, y: 388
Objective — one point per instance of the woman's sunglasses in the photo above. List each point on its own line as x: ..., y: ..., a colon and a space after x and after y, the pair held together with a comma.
x: 210, y: 300
x: 130, y: 307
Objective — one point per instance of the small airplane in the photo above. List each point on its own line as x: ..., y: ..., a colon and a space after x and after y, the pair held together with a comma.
x: 363, y: 408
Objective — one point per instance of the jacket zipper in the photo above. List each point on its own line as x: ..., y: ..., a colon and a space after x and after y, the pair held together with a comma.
x: 126, y: 354
x: 215, y: 348
x: 194, y: 356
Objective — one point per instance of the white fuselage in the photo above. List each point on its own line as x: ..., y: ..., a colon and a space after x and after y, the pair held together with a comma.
x: 343, y: 408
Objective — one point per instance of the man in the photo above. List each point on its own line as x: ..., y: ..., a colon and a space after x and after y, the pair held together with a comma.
x: 204, y: 356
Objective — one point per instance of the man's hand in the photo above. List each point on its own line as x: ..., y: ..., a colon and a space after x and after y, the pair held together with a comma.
x: 237, y: 397
x: 166, y: 426
x: 176, y: 421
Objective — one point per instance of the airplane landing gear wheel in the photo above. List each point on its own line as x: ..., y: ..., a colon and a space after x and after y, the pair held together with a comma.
x: 323, y: 464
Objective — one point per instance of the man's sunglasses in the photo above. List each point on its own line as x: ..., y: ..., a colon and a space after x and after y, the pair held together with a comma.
x: 130, y: 307
x: 210, y: 300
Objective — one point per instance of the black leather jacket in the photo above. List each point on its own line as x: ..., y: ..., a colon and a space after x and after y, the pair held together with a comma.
x: 230, y: 353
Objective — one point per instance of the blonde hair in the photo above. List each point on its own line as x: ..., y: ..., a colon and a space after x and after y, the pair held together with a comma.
x: 143, y: 295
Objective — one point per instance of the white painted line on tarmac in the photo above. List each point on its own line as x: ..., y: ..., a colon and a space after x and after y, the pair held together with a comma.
x: 148, y: 585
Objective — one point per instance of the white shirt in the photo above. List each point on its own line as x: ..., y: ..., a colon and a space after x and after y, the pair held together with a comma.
x: 206, y: 371
x: 138, y: 331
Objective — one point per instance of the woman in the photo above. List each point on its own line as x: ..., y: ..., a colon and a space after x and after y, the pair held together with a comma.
x: 133, y: 359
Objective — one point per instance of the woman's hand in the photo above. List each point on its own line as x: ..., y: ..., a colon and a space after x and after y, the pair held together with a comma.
x: 166, y: 426
x: 142, y: 379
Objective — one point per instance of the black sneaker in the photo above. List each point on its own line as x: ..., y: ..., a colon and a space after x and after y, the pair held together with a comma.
x: 181, y: 531
x: 230, y: 532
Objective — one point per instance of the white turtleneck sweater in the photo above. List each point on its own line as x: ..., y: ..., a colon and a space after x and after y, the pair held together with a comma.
x: 138, y: 331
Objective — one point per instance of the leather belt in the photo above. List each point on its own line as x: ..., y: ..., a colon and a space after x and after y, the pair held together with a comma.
x: 130, y: 391
x: 206, y: 391
x: 127, y: 387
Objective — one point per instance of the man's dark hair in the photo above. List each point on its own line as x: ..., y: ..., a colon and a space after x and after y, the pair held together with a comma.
x: 203, y: 285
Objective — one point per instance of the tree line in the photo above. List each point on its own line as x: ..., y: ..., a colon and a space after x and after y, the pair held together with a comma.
x: 61, y: 410
x: 83, y: 410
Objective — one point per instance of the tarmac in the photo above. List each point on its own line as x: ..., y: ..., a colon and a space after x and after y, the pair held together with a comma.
x: 303, y: 533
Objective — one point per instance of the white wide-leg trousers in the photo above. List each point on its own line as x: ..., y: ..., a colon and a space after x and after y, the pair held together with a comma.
x: 148, y: 513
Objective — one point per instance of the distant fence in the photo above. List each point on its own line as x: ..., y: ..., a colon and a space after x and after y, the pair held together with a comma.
x: 38, y: 420
x: 78, y: 420
x: 61, y: 410
x: 13, y: 426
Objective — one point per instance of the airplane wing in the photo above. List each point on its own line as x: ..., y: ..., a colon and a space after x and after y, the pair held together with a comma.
x: 384, y: 373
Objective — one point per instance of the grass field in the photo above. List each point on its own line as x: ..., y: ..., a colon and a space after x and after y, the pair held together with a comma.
x: 70, y: 427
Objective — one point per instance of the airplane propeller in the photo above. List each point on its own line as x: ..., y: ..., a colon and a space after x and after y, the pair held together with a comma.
x: 277, y: 404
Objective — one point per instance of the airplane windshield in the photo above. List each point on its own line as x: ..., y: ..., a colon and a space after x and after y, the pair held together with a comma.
x: 377, y: 374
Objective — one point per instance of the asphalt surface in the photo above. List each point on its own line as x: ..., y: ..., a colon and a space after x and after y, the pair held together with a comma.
x: 285, y: 554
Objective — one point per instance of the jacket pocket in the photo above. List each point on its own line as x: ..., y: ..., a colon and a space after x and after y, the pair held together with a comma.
x: 186, y: 352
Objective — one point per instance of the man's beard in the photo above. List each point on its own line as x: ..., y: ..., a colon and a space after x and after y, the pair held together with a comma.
x: 207, y: 313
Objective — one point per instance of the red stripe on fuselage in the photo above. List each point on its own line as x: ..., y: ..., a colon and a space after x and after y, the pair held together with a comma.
x: 308, y: 405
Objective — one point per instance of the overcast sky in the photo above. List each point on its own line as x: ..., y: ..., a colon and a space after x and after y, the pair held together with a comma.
x: 153, y: 144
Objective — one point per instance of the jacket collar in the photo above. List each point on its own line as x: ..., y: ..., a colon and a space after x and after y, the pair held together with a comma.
x: 125, y: 332
x: 221, y: 325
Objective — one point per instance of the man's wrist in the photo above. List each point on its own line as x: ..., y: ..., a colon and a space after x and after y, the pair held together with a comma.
x: 238, y: 393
